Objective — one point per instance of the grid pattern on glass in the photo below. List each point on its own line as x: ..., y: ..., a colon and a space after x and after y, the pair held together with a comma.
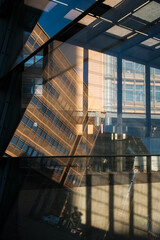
x: 55, y: 120
x: 155, y: 90
x: 133, y: 86
x: 110, y: 84
x: 46, y: 137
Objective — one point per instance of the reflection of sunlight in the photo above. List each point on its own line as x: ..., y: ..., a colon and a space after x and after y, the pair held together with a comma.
x: 50, y: 6
x: 121, y: 208
x: 72, y: 14
x: 140, y: 208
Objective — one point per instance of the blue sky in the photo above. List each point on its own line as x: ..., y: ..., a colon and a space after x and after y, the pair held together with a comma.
x: 54, y: 18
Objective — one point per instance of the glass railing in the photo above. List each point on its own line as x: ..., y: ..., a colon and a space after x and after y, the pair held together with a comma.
x: 80, y: 197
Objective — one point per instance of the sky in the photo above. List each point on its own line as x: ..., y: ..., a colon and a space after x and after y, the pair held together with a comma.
x: 59, y: 13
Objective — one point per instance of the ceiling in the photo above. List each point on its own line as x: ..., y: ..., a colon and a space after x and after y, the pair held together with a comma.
x: 126, y: 28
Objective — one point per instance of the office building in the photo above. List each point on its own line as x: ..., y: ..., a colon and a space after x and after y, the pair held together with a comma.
x: 79, y: 127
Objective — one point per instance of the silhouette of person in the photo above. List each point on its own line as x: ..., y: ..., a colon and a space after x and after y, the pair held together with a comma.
x: 76, y: 217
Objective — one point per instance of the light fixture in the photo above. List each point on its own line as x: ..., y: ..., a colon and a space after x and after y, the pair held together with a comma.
x: 118, y: 31
x: 142, y: 33
x: 78, y: 9
x: 150, y: 42
x: 65, y: 4
x: 132, y: 35
x: 141, y: 6
x: 149, y: 12
x: 112, y: 3
x: 156, y: 38
x: 157, y: 47
x: 72, y: 14
x: 97, y: 23
x: 87, y: 20
x: 50, y: 6
x: 106, y: 20
x: 125, y: 16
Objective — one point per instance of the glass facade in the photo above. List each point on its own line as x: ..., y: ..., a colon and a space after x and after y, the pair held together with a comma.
x: 86, y: 150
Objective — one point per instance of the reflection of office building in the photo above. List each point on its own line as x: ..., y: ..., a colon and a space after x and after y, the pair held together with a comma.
x: 133, y: 97
x: 63, y: 117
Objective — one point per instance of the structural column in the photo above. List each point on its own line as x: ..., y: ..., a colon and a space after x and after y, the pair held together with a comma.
x: 148, y: 102
x: 119, y: 112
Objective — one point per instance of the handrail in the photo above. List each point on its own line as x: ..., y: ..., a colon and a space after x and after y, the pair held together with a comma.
x: 88, y: 156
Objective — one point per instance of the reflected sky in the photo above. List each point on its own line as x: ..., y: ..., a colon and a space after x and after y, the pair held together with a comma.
x: 58, y: 14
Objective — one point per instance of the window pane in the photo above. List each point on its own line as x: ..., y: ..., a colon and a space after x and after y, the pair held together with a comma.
x: 52, y: 91
x: 55, y: 144
x: 39, y: 131
x: 44, y: 134
x: 128, y: 67
x: 25, y: 147
x: 139, y: 93
x: 52, y: 141
x: 14, y: 140
x: 24, y: 119
x: 56, y: 95
x: 48, y: 86
x: 39, y: 104
x: 19, y: 144
x: 158, y: 96
x: 52, y: 116
x: 43, y: 109
x: 34, y: 153
x: 139, y: 68
x: 157, y: 71
x: 56, y: 120
x: 59, y: 147
x: 34, y: 127
x: 34, y: 100
x: 48, y: 113
x: 48, y: 138
x: 29, y: 151
x: 30, y: 124
x: 31, y: 40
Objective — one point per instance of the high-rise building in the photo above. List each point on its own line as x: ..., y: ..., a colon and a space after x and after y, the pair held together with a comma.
x: 63, y: 114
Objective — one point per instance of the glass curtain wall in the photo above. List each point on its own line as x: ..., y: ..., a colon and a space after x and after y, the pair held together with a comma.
x: 86, y: 134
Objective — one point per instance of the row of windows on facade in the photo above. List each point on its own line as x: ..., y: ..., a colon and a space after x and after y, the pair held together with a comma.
x: 130, y: 92
x: 52, y: 117
x: 52, y: 165
x: 133, y: 92
x: 132, y: 67
x: 40, y: 132
x: 155, y: 93
x: 25, y: 147
x: 32, y: 41
x: 30, y: 151
x: 137, y: 93
x: 37, y: 60
x: 128, y: 67
x: 65, y: 80
x: 51, y: 91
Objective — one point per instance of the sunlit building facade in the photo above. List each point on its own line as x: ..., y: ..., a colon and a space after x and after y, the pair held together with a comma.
x: 64, y: 116
x: 80, y: 123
